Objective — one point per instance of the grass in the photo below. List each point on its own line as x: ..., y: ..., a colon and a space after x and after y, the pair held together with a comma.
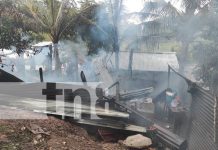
x: 165, y: 46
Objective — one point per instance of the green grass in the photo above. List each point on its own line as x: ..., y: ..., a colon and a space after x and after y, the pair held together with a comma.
x: 164, y: 46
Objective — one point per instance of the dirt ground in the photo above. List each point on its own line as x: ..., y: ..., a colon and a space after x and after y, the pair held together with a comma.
x: 48, y: 134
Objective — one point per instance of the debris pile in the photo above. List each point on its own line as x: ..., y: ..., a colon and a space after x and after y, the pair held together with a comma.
x: 49, y: 134
x: 57, y: 134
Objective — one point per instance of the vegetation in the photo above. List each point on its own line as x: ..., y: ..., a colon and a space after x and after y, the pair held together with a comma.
x: 11, y: 32
x: 205, y: 50
x: 192, y: 31
x: 56, y: 18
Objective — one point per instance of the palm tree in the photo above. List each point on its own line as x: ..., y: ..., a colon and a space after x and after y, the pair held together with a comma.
x: 55, y: 18
x: 183, y: 25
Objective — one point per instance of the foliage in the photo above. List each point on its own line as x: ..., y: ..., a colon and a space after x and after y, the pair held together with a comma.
x: 163, y: 22
x: 55, y: 18
x: 11, y: 31
x: 24, y: 21
x: 198, y: 21
x: 98, y: 34
x: 158, y: 24
x: 205, y: 53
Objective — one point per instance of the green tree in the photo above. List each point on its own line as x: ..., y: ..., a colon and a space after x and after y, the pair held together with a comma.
x: 182, y: 26
x: 55, y: 18
x: 190, y: 25
x: 116, y: 8
x: 205, y: 51
x: 95, y: 30
x: 151, y: 25
x: 11, y: 31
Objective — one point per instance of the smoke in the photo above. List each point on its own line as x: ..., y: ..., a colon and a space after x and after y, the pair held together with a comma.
x: 76, y: 56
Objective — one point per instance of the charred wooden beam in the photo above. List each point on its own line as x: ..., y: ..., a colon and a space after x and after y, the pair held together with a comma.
x: 170, y: 139
x: 113, y: 124
x: 136, y: 94
x: 134, y: 116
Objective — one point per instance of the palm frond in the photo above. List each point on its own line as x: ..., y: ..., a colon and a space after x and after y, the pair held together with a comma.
x: 169, y: 9
x: 59, y: 18
x: 192, y: 5
x: 34, y: 13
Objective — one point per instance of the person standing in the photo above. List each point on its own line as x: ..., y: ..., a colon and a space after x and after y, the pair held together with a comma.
x: 170, y: 96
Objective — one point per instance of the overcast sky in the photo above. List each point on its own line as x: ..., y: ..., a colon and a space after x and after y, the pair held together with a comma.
x: 137, y: 5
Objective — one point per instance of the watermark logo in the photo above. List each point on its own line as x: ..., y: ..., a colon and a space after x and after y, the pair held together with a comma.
x: 77, y: 100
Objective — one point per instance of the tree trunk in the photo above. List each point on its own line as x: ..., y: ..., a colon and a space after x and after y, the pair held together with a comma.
x: 183, y: 57
x: 76, y: 67
x: 116, y: 49
x: 57, y: 59
x: 116, y: 19
x: 50, y: 58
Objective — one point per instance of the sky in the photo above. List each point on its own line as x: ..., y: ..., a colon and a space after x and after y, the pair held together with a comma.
x: 134, y: 5
x: 137, y: 5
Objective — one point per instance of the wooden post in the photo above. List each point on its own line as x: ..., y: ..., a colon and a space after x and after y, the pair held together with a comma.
x: 41, y: 74
x: 168, y: 80
x: 118, y: 90
x: 216, y: 121
x: 130, y: 62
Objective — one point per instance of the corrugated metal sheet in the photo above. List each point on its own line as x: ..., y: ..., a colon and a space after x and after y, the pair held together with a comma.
x: 203, y: 131
x: 203, y: 126
x: 148, y: 61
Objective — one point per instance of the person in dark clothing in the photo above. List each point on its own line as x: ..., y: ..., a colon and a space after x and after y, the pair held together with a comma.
x: 170, y: 96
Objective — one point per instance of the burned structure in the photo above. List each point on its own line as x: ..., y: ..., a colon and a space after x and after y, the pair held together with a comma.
x: 192, y: 126
x: 200, y: 127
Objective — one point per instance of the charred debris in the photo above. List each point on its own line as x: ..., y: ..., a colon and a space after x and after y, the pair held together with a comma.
x: 144, y: 111
x: 123, y: 117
